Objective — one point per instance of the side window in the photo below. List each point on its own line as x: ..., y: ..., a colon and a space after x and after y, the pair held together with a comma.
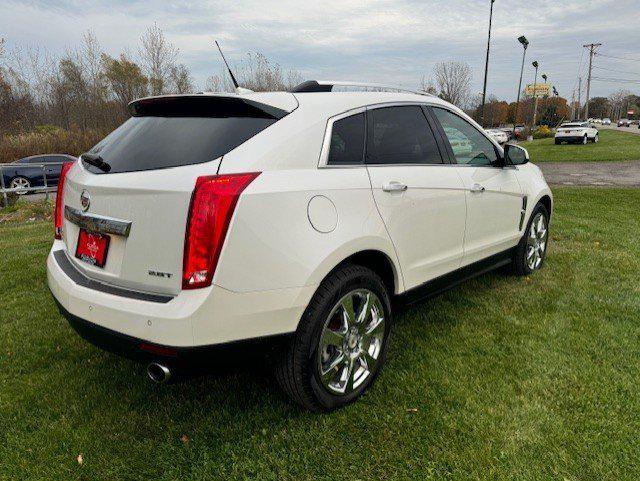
x: 468, y: 144
x: 401, y: 135
x: 347, y: 141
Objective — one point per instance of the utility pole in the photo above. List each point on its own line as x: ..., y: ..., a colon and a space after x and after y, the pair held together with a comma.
x: 535, y: 95
x: 486, y: 67
x: 579, y: 98
x: 592, y: 50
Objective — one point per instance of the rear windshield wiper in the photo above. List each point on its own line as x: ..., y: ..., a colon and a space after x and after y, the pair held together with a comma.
x: 96, y: 161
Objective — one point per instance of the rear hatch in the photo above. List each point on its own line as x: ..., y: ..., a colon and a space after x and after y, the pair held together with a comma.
x: 142, y: 202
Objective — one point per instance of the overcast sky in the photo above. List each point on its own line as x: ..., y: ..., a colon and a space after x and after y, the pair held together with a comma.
x: 379, y: 41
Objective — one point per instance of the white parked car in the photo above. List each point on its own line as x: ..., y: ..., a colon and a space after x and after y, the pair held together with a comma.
x: 499, y: 136
x: 576, y: 133
x: 606, y: 121
x: 216, y: 218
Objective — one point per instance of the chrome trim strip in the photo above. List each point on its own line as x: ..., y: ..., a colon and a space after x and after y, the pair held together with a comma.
x: 79, y: 278
x: 97, y: 223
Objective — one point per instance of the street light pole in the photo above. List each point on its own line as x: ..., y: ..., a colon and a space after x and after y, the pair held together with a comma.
x: 486, y: 67
x: 525, y: 43
x: 535, y: 96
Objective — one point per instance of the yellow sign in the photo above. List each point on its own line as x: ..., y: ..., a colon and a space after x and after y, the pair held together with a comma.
x: 540, y: 90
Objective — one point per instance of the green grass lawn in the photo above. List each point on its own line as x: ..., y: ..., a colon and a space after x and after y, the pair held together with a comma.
x: 613, y: 145
x: 502, y: 378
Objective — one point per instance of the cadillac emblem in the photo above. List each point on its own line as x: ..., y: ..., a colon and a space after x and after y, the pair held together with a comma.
x: 85, y: 200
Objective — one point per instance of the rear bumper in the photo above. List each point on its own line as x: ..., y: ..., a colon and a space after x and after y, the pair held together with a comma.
x: 193, y: 318
x: 570, y: 138
x: 139, y: 350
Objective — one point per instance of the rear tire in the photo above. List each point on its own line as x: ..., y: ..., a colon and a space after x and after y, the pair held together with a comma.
x: 558, y: 142
x: 585, y: 139
x: 531, y: 251
x: 330, y: 362
x: 596, y: 139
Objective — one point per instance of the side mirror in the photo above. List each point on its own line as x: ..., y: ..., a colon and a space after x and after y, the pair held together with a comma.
x: 515, y: 155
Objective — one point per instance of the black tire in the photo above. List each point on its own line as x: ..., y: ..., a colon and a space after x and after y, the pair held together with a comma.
x: 519, y: 265
x: 585, y: 139
x: 297, y: 370
x: 558, y: 142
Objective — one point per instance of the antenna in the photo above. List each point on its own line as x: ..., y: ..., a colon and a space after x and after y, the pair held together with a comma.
x: 233, y: 79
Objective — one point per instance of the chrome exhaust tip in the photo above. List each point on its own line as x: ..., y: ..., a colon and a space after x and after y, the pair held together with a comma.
x: 158, y: 373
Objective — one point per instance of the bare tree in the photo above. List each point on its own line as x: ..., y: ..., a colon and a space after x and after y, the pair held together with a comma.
x: 453, y: 80
x: 180, y: 78
x: 158, y: 57
x: 427, y: 86
x: 256, y: 72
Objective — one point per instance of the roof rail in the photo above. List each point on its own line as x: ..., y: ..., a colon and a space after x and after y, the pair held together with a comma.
x: 328, y: 85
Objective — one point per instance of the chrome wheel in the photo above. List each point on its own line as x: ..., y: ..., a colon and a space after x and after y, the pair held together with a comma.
x: 351, y: 342
x: 584, y: 140
x: 20, y: 183
x: 537, y: 241
x: 596, y: 139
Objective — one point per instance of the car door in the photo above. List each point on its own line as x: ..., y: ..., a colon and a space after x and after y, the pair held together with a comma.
x: 420, y: 197
x: 494, y: 196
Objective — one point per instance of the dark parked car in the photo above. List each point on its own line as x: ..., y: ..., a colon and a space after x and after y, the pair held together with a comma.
x: 28, y: 172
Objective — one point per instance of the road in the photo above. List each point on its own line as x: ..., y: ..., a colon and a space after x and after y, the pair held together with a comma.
x: 633, y: 129
x: 598, y: 174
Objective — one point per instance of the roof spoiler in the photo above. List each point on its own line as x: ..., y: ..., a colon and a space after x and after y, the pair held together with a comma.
x: 202, y: 105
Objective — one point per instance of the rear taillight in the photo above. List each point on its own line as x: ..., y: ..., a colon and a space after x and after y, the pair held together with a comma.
x: 58, y: 214
x: 212, y: 204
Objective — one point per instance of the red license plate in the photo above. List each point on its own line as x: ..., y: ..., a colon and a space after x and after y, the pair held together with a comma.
x: 92, y: 248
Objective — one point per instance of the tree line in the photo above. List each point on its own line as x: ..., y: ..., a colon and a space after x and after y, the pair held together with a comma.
x: 86, y: 89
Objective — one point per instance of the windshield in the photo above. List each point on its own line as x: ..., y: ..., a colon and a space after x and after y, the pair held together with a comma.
x: 171, y: 132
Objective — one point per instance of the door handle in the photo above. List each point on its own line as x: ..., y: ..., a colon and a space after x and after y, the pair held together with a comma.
x: 477, y: 188
x: 394, y: 186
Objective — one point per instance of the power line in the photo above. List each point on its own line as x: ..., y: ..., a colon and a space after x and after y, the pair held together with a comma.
x: 616, y: 71
x: 618, y: 58
x: 618, y: 80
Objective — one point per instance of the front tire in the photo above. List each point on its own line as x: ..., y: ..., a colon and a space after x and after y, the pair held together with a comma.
x: 531, y: 251
x: 21, y: 183
x: 585, y: 139
x: 341, y: 342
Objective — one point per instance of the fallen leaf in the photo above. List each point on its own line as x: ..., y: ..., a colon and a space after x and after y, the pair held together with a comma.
x: 57, y: 348
x: 184, y: 438
x: 80, y: 459
x: 412, y: 410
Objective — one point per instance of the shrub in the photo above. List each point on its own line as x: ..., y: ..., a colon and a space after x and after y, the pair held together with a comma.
x: 47, y: 139
x: 542, y: 132
x: 12, y: 198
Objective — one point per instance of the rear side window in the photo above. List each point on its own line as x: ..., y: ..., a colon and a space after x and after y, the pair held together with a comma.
x: 401, y: 135
x: 171, y: 132
x: 347, y: 141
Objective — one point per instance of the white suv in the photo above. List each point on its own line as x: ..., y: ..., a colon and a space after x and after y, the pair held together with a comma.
x: 214, y: 218
x: 576, y: 133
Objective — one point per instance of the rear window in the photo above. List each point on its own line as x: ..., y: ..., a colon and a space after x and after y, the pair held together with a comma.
x: 347, y: 141
x: 176, y: 131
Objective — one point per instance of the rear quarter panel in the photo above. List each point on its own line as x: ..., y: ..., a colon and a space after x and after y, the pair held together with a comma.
x: 272, y: 244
